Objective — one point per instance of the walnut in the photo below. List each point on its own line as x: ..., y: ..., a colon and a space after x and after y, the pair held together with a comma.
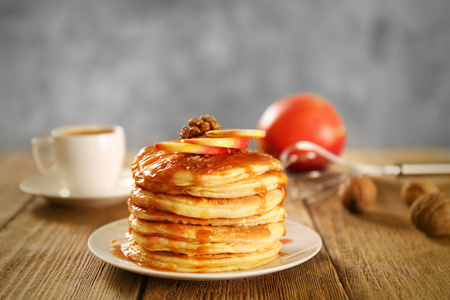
x: 413, y: 189
x: 431, y: 214
x: 358, y: 194
x: 198, y: 126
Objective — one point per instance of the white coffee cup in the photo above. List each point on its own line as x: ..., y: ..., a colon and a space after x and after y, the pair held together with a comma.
x: 87, y: 159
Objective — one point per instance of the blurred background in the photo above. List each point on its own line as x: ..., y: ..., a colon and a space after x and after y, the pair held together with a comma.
x: 151, y: 65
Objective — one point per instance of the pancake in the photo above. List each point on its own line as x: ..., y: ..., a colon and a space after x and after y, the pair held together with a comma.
x: 241, y: 188
x: 205, y: 213
x: 276, y: 214
x: 159, y: 243
x: 201, y: 207
x: 169, y: 261
x: 186, y: 169
x: 207, y: 233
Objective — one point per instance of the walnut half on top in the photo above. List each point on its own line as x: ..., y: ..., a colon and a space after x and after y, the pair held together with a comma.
x: 198, y: 126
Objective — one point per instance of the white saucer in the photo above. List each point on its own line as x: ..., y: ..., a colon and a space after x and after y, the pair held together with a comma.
x: 50, y: 188
x: 306, y: 243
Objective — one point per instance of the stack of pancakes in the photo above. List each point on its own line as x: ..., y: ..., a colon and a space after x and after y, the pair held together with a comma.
x: 205, y: 213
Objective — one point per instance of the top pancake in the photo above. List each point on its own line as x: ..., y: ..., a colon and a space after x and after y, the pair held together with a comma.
x: 186, y: 169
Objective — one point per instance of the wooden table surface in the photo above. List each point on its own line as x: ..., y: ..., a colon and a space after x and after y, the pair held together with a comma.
x: 375, y: 255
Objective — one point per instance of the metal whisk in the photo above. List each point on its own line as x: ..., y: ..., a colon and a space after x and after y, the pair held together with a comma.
x: 318, y: 185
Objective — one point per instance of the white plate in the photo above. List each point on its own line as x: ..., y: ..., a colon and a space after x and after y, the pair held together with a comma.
x: 304, y: 240
x: 50, y: 188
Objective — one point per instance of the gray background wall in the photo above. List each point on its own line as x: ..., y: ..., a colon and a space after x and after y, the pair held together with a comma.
x: 151, y: 65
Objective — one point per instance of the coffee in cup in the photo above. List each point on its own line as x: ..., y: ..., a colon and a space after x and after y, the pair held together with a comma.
x: 87, y: 159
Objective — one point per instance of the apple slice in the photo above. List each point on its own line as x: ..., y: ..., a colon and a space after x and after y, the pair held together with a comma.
x: 238, y: 143
x: 178, y: 146
x: 236, y: 133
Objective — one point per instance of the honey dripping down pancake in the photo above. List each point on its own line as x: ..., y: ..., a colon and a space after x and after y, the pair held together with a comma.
x: 186, y: 169
x: 205, y: 204
x: 206, y: 208
x: 276, y: 214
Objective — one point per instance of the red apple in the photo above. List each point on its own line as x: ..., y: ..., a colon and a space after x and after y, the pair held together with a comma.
x: 238, y: 143
x: 236, y: 133
x: 178, y: 146
x: 302, y: 117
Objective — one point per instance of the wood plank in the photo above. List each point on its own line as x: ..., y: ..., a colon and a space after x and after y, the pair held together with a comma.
x: 380, y: 254
x: 14, y: 167
x: 44, y: 255
x: 315, y: 279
